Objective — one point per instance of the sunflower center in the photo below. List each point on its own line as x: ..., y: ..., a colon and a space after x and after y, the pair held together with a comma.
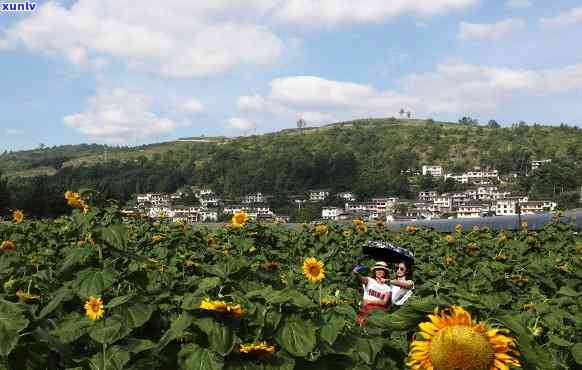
x: 460, y: 347
x: 314, y: 270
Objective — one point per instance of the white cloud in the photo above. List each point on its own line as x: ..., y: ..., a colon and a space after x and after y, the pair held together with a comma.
x: 178, y: 39
x: 13, y: 131
x: 489, y: 30
x: 330, y: 13
x: 569, y: 18
x: 453, y: 88
x: 192, y: 105
x: 241, y: 124
x: 119, y: 116
x: 518, y: 3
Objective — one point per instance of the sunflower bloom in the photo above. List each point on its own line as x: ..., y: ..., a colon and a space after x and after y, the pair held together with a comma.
x: 361, y: 228
x: 357, y: 222
x: 271, y: 265
x: 211, y: 241
x: 450, y: 239
x: 26, y: 297
x: 8, y: 245
x: 18, y: 216
x: 411, y: 229
x: 347, y: 233
x: 157, y: 238
x: 452, y: 340
x: 321, y: 230
x: 74, y: 200
x: 458, y: 228
x: 221, y: 306
x: 240, y: 219
x: 256, y: 349
x: 472, y: 247
x: 94, y: 308
x: 313, y: 270
x: 524, y: 225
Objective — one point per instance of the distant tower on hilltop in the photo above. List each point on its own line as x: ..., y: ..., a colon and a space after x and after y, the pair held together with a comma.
x: 301, y: 124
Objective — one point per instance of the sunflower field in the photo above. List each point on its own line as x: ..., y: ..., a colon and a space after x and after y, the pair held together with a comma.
x: 90, y: 291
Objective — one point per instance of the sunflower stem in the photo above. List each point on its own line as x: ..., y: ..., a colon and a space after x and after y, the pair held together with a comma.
x: 104, y: 355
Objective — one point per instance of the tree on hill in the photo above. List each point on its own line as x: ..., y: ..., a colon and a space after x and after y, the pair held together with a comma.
x: 468, y: 121
x: 493, y: 124
x: 4, y: 194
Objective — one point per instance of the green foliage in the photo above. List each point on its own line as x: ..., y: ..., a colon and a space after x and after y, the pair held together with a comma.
x: 528, y: 282
x: 365, y: 156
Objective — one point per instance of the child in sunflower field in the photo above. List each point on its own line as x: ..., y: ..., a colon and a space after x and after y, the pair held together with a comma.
x: 376, y: 291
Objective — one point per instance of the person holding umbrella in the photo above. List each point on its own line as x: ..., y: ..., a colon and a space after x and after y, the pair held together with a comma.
x: 376, y: 290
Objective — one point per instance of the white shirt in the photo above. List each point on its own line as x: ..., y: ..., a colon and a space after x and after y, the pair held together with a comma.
x: 400, y: 295
x: 375, y: 292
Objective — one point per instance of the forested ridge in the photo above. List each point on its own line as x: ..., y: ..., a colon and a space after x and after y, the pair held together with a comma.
x: 366, y: 156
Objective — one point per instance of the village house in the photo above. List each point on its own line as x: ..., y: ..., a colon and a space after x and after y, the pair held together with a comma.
x: 330, y: 213
x: 318, y: 195
x: 253, y: 198
x: 537, y: 164
x: 427, y: 196
x: 432, y: 170
x: 473, y: 209
x: 538, y: 206
x: 508, y: 206
x: 346, y: 196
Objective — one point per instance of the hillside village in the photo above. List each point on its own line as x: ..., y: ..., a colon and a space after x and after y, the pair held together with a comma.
x: 483, y: 197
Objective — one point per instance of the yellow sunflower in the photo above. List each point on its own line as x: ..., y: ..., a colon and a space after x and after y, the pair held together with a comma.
x: 459, y: 228
x: 357, y: 222
x: 347, y: 233
x: 94, y: 308
x: 411, y: 229
x: 361, y: 228
x: 524, y: 225
x: 313, y: 270
x: 450, y: 239
x: 472, y: 247
x: 321, y: 230
x: 18, y: 216
x: 25, y: 297
x: 157, y: 238
x: 239, y: 219
x: 256, y: 349
x: 221, y: 306
x: 453, y: 341
x: 7, y: 245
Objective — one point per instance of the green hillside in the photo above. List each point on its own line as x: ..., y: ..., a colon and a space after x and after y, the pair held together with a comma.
x: 367, y: 156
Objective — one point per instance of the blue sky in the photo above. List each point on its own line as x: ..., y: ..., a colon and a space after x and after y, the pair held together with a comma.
x: 124, y: 72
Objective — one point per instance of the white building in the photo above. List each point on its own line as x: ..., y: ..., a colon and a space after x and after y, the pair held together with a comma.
x: 347, y: 196
x: 209, y: 215
x: 508, y: 206
x: 432, y: 170
x: 427, y: 196
x: 472, y: 210
x: 538, y: 206
x: 209, y: 200
x: 254, y: 198
x: 537, y: 164
x: 330, y: 213
x: 318, y: 195
x: 153, y: 199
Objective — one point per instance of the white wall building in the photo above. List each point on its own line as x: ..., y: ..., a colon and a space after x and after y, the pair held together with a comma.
x: 330, y: 213
x: 432, y: 170
x: 253, y: 198
x: 537, y: 164
x: 427, y: 196
x: 318, y: 195
x: 347, y: 196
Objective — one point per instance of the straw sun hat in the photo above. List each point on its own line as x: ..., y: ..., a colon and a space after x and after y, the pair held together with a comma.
x: 380, y: 265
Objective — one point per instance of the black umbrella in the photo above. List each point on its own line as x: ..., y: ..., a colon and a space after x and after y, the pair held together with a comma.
x: 388, y: 252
